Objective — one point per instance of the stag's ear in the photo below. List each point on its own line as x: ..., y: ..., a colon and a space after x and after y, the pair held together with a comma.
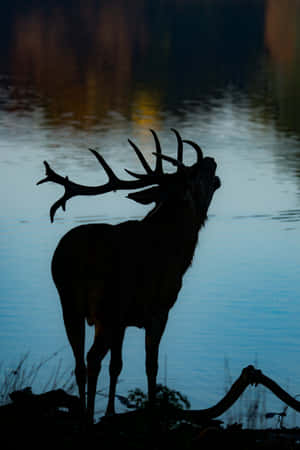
x: 146, y: 196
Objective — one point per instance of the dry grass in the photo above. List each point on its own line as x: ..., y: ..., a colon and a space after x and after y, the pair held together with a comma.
x: 250, y: 409
x: 25, y: 374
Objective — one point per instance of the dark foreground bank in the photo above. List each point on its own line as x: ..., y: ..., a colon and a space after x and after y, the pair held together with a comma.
x: 54, y: 420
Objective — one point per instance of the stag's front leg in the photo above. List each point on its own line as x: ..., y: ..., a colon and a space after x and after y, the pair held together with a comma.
x: 154, y: 333
x: 115, y: 367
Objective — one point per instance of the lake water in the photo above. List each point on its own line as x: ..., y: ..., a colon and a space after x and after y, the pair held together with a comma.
x: 225, y: 74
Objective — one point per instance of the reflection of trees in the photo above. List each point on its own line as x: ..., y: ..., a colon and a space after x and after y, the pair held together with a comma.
x: 85, y: 58
x: 282, y: 39
x: 82, y: 62
x: 275, y: 90
x: 281, y: 30
x: 110, y: 55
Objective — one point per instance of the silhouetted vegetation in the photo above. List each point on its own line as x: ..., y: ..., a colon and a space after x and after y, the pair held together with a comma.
x: 24, y: 373
x: 57, y: 416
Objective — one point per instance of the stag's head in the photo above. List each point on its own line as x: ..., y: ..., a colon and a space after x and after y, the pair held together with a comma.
x: 192, y: 185
x: 203, y: 182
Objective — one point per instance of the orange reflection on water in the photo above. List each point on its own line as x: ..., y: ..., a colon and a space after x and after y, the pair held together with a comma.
x: 282, y: 40
x: 146, y: 106
x: 282, y: 18
x: 82, y: 67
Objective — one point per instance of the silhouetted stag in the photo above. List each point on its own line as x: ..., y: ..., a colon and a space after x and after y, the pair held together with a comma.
x: 129, y: 274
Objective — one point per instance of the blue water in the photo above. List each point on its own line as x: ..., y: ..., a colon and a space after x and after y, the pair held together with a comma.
x: 240, y: 299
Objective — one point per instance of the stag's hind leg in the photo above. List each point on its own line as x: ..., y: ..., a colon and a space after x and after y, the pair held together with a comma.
x: 75, y: 328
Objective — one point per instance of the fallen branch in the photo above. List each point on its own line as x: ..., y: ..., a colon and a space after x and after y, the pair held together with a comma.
x: 249, y: 376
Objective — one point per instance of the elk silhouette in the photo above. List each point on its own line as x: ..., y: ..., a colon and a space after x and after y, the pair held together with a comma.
x: 129, y: 274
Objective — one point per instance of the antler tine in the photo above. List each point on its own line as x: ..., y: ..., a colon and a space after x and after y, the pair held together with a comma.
x: 180, y: 166
x: 197, y: 148
x: 59, y: 203
x: 158, y: 171
x: 141, y: 158
x: 158, y: 167
x: 180, y: 145
x: 51, y: 175
x: 140, y: 176
x: 109, y: 172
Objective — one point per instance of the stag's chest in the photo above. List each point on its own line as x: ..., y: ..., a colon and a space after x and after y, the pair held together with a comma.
x: 151, y: 279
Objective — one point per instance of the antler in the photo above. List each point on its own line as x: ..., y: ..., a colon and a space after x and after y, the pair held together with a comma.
x: 152, y: 176
x: 197, y: 148
x: 179, y: 161
x: 74, y: 189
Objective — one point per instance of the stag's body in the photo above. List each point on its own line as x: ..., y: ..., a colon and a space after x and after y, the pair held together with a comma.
x: 138, y: 265
x: 129, y: 274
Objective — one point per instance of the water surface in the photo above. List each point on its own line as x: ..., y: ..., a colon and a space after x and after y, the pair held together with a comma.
x: 91, y: 79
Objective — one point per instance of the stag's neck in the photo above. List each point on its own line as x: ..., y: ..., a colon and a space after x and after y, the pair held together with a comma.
x: 177, y: 216
x: 178, y: 226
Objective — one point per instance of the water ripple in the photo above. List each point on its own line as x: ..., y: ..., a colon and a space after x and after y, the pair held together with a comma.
x: 285, y: 215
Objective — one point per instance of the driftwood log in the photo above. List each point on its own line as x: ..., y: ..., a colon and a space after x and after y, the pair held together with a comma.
x: 249, y: 376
